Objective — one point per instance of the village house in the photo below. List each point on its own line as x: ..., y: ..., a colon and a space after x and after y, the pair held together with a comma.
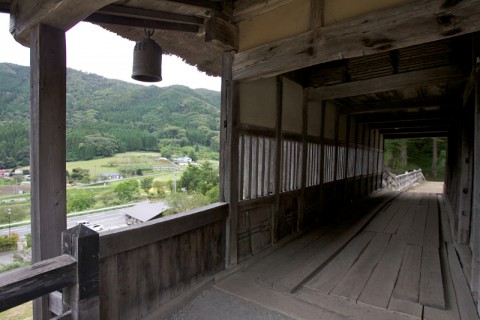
x: 311, y: 89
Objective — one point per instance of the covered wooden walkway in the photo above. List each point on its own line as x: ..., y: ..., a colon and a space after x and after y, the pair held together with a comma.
x: 396, y: 261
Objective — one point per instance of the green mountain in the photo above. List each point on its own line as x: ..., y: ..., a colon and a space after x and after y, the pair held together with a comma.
x: 106, y: 116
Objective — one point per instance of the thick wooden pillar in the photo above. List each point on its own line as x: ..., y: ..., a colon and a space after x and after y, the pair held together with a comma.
x: 278, y: 157
x: 475, y: 237
x: 304, y: 159
x: 229, y: 158
x: 47, y: 146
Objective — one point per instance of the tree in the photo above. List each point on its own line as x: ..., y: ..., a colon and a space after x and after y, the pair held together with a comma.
x: 199, y: 179
x: 79, y: 174
x: 127, y: 190
x: 146, y: 184
x: 80, y: 201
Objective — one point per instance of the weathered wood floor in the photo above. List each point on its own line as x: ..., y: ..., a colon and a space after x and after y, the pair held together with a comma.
x: 396, y: 262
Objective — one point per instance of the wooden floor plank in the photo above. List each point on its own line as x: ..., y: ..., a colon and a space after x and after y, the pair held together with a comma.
x: 379, y: 287
x: 431, y: 280
x: 348, y: 310
x: 446, y: 235
x: 284, y: 253
x: 418, y: 225
x: 354, y: 281
x: 406, y: 224
x: 432, y: 230
x: 296, y: 261
x: 451, y: 308
x: 328, y: 277
x: 466, y: 305
x: 407, y: 287
x: 412, y: 309
x: 397, y: 219
x: 382, y: 219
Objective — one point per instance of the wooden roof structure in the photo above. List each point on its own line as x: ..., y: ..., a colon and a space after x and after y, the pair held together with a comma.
x: 310, y: 91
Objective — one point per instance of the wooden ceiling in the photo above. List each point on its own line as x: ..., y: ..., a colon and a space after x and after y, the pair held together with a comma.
x: 410, y: 92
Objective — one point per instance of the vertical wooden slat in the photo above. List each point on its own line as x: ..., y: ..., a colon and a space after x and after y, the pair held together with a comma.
x: 47, y: 146
x: 242, y: 168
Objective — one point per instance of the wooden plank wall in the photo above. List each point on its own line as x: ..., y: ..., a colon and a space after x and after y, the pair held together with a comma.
x: 142, y: 268
x: 335, y: 170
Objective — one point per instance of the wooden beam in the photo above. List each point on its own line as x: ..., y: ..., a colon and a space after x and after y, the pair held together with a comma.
x: 29, y: 282
x: 414, y: 135
x: 221, y: 33
x: 47, y: 145
x: 61, y: 14
x: 419, y: 104
x: 393, y: 82
x: 138, y: 13
x: 402, y: 130
x: 246, y: 9
x: 141, y: 23
x: 412, y: 23
x: 402, y: 118
x: 424, y: 123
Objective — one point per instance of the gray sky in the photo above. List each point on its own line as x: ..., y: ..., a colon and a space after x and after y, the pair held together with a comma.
x: 94, y: 50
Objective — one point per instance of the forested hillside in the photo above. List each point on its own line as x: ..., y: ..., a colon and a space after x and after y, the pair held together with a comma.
x: 107, y: 116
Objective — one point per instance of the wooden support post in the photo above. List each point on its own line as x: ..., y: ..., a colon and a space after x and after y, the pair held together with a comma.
x: 368, y: 149
x: 278, y: 158
x: 347, y: 196
x: 475, y: 239
x: 355, y: 160
x: 322, y: 149
x: 335, y: 166
x: 229, y: 159
x: 304, y: 159
x: 464, y: 203
x: 47, y: 146
x: 317, y: 14
x: 83, y: 298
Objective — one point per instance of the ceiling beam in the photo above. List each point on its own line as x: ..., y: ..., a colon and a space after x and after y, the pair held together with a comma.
x: 61, y: 14
x: 414, y: 130
x: 411, y: 124
x: 142, y: 23
x: 406, y: 117
x: 131, y: 12
x: 393, y: 82
x: 417, y: 135
x: 392, y: 106
x: 412, y: 23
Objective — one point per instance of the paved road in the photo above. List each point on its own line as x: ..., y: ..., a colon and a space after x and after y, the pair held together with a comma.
x: 109, y: 219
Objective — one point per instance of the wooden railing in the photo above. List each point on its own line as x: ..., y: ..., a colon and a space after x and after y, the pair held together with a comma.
x: 75, y: 271
x: 402, y: 181
x: 127, y: 273
x: 145, y: 266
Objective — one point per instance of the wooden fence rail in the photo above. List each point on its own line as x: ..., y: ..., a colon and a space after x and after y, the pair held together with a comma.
x: 75, y: 271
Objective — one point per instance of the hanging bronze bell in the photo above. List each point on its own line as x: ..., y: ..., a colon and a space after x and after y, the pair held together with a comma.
x: 147, y: 60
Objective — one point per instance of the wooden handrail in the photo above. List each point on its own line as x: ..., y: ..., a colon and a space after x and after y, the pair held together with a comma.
x: 36, y: 280
x: 124, y: 239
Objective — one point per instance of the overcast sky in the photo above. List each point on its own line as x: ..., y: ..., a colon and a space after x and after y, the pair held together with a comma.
x: 95, y: 50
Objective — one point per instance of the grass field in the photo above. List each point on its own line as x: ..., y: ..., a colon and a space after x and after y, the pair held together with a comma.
x: 22, y: 312
x: 112, y: 164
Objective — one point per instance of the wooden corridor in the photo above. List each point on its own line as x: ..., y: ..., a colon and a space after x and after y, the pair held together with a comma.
x: 396, y: 262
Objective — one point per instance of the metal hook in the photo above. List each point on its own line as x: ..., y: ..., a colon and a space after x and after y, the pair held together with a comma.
x: 149, y: 33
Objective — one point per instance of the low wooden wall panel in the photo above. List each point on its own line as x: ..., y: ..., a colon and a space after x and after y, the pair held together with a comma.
x: 254, y: 226
x: 137, y: 281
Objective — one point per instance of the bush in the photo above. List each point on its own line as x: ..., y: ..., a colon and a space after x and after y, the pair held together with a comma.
x: 8, y: 243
